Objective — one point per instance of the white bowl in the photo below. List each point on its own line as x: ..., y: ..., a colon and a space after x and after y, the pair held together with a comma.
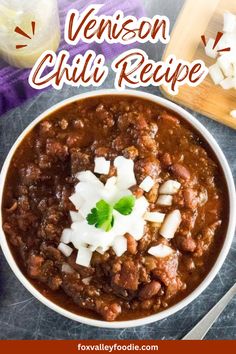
x: 216, y: 267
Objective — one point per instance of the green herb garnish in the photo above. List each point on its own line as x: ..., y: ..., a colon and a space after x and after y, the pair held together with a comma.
x: 102, y: 216
x: 125, y: 205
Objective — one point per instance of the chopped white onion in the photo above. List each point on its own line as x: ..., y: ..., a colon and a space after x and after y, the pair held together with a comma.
x: 233, y: 113
x: 210, y: 52
x: 102, y: 166
x: 216, y: 73
x: 125, y: 172
x: 77, y: 200
x: 87, y: 280
x: 160, y: 251
x: 66, y: 268
x: 89, y: 177
x: 66, y: 236
x: 137, y: 229
x: 84, y: 256
x: 65, y: 249
x: 75, y: 216
x: 170, y: 224
x: 165, y: 200
x: 225, y: 63
x: 111, y: 182
x: 228, y: 83
x: 88, y: 191
x: 120, y: 245
x: 147, y: 184
x: 154, y: 216
x: 169, y: 187
x: 140, y: 207
x: 101, y: 250
x: 229, y: 22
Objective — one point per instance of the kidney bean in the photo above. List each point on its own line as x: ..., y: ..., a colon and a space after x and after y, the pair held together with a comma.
x: 149, y: 290
x: 131, y: 244
x: 180, y: 171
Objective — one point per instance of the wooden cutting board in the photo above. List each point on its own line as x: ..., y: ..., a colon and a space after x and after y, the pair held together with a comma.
x: 196, y: 18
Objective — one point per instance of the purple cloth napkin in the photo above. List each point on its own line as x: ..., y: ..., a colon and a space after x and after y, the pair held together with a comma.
x: 14, y: 87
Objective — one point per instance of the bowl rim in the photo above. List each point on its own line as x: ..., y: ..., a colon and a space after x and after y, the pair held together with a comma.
x: 229, y: 233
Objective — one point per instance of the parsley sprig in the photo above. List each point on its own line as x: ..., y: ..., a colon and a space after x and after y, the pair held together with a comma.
x: 102, y: 216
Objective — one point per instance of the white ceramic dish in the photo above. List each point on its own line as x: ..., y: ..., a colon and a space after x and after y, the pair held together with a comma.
x: 224, y: 251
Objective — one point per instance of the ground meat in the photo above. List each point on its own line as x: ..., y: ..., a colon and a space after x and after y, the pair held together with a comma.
x: 51, y: 252
x: 30, y: 174
x: 130, y: 152
x: 105, y: 116
x: 166, y: 269
x: 147, y: 167
x: 108, y: 311
x: 47, y: 129
x: 190, y: 198
x: 128, y: 276
x: 44, y: 161
x: 57, y: 150
x: 166, y: 159
x: 79, y: 161
x: 153, y: 193
x: 34, y: 265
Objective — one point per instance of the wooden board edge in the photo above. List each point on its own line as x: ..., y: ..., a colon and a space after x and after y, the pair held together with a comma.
x: 175, y: 99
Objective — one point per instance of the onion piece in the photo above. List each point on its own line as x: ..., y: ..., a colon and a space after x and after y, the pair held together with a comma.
x: 75, y: 216
x: 84, y: 256
x: 102, y: 166
x: 137, y: 229
x: 233, y: 113
x: 87, y: 280
x: 120, y: 245
x: 65, y: 249
x: 210, y: 52
x: 225, y: 63
x: 229, y: 22
x: 154, y: 216
x: 165, y: 200
x: 170, y: 224
x: 111, y: 182
x: 89, y: 177
x: 76, y: 200
x: 169, y: 187
x: 66, y: 268
x: 147, y: 184
x: 140, y: 207
x: 66, y: 236
x: 228, y: 83
x: 160, y: 251
x: 216, y: 73
x: 125, y: 172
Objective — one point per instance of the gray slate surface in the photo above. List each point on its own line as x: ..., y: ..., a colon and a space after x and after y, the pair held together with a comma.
x: 23, y: 317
